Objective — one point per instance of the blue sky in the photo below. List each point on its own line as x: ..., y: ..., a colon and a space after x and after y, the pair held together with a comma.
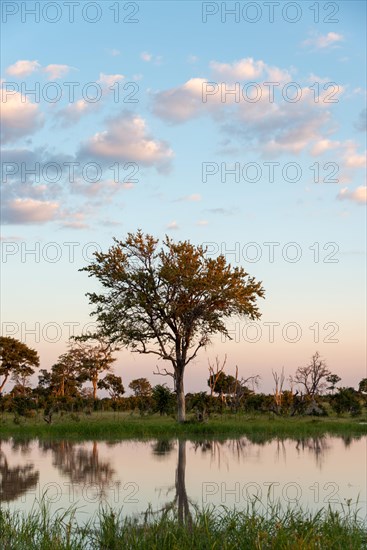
x: 169, y: 136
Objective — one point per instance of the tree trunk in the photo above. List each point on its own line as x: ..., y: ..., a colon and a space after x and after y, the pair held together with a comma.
x: 184, y: 515
x: 6, y: 376
x: 181, y: 405
x: 94, y: 382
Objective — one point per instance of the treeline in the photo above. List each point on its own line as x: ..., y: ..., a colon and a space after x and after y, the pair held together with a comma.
x: 312, y: 391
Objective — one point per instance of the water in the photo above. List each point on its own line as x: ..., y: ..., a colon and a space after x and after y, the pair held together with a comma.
x: 313, y: 472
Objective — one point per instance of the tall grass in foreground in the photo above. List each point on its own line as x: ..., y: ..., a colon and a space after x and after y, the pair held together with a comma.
x: 212, y: 529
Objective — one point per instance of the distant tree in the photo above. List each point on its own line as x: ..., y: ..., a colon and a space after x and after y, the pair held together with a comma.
x: 169, y: 301
x: 333, y: 380
x: 64, y: 378
x: 223, y: 384
x: 346, y: 400
x: 92, y: 358
x: 214, y: 373
x: 141, y: 387
x: 163, y: 399
x: 16, y: 360
x: 312, y: 377
x: 113, y: 384
x: 363, y: 385
x: 44, y: 382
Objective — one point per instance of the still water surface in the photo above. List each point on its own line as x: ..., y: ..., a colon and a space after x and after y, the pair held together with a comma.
x: 313, y: 472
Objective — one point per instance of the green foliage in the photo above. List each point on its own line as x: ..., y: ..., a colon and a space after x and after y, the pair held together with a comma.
x: 91, y: 357
x: 224, y: 383
x: 113, y: 384
x: 346, y: 401
x: 333, y: 380
x: 21, y: 405
x: 209, y: 529
x: 363, y: 385
x: 168, y: 301
x: 109, y: 425
x: 163, y: 399
x: 141, y: 387
x: 16, y: 360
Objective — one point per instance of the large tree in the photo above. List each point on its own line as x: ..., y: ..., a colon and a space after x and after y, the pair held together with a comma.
x: 16, y: 360
x: 168, y: 300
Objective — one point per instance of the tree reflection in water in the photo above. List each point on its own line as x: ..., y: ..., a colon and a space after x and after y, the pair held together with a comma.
x: 15, y: 481
x: 317, y: 445
x: 180, y: 503
x: 240, y: 449
x: 163, y: 447
x: 79, y: 464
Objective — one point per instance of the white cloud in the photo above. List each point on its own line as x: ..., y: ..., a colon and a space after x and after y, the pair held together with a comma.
x: 324, y: 145
x: 202, y: 222
x: 181, y: 103
x: 27, y: 211
x: 128, y: 185
x: 195, y: 197
x: 351, y: 158
x: 244, y: 69
x: 106, y: 187
x: 146, y: 56
x: 73, y: 112
x: 359, y: 195
x: 55, y: 72
x: 75, y: 225
x: 23, y: 67
x: 108, y: 80
x: 320, y: 41
x: 149, y: 57
x: 172, y: 226
x: 19, y: 116
x: 271, y: 124
x: 126, y: 139
x: 320, y: 79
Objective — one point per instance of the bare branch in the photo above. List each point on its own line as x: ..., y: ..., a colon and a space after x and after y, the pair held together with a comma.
x: 164, y: 372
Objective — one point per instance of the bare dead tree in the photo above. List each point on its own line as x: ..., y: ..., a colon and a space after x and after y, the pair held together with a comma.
x: 279, y: 382
x: 313, y: 376
x: 214, y: 374
x: 254, y: 379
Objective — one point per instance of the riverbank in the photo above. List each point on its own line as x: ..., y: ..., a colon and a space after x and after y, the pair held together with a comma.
x: 229, y: 530
x: 107, y: 425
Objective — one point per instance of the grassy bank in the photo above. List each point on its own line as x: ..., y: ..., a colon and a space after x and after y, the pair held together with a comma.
x: 108, y: 425
x: 225, y: 530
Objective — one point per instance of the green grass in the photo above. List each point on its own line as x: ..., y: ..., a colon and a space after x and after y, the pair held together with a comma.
x: 221, y: 530
x: 108, y: 425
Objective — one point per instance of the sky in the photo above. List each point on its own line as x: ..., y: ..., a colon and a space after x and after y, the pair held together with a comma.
x: 240, y: 126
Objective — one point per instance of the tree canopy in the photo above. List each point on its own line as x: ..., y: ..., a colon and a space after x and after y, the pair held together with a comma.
x: 168, y: 300
x: 16, y: 360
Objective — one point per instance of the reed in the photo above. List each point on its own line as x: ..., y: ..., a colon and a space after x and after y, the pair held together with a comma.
x: 124, y: 426
x: 222, y: 528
